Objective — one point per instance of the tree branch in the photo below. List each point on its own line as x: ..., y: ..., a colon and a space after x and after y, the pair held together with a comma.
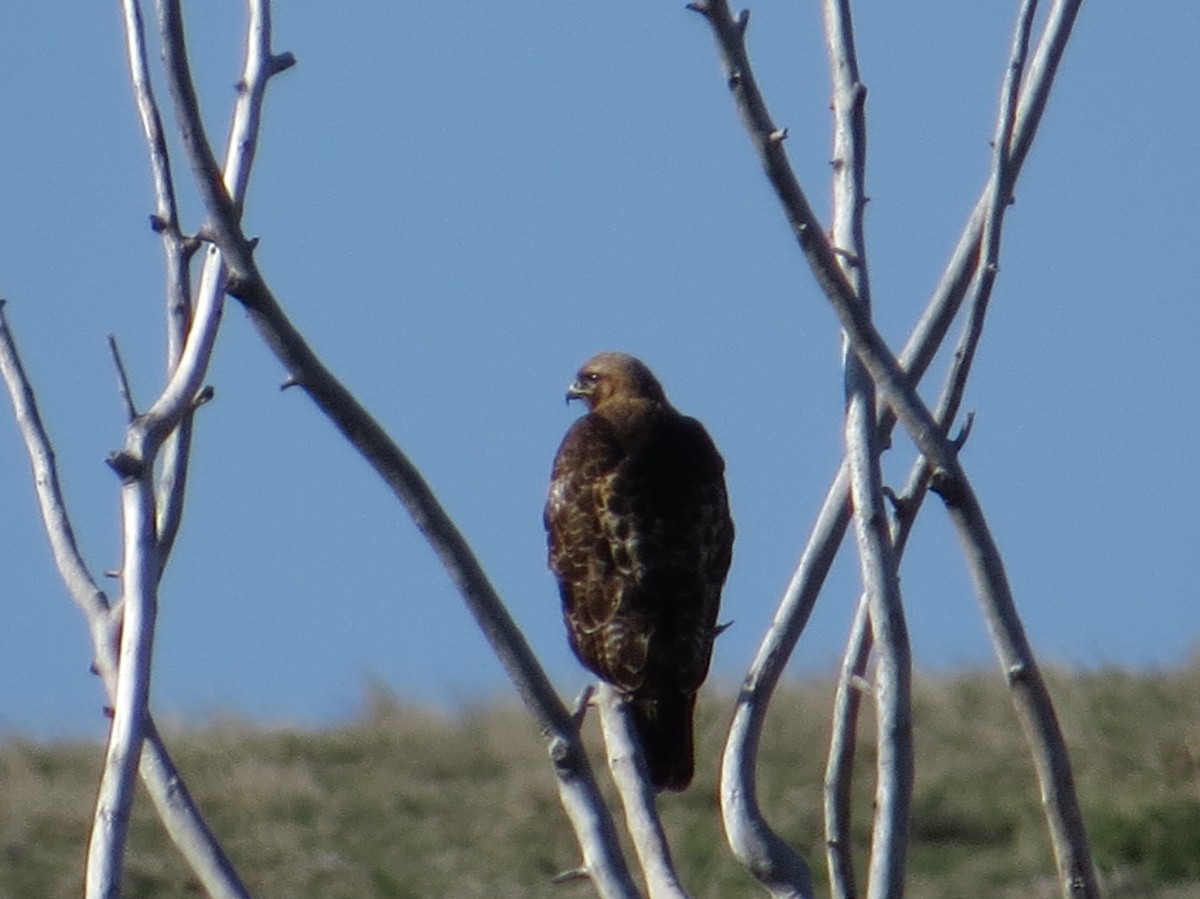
x: 603, y: 862
x: 139, y: 603
x: 641, y: 815
x: 1032, y: 701
x: 878, y: 562
x: 163, y: 781
x: 141, y: 567
x: 178, y: 252
x: 842, y: 747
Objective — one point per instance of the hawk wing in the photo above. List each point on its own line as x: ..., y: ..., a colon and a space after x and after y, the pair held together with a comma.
x: 640, y: 540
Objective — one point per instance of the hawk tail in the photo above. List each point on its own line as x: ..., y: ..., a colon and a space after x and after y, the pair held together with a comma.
x: 664, y: 729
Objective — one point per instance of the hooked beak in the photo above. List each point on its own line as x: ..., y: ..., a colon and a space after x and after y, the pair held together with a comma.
x: 578, y: 391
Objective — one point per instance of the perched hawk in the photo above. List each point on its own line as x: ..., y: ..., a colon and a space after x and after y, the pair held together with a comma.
x: 640, y: 540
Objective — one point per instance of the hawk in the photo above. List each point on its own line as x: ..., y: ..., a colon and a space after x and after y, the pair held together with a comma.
x: 640, y: 540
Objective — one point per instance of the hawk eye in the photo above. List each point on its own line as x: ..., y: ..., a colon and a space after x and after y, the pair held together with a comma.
x: 590, y: 376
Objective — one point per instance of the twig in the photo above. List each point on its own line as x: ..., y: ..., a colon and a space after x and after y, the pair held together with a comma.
x: 641, y: 815
x: 178, y: 252
x: 837, y: 789
x: 123, y: 389
x: 163, y: 781
x: 169, y: 793
x: 577, y: 786
x: 84, y: 590
x: 842, y: 747
x: 877, y: 558
x: 140, y: 573
x: 139, y: 602
x: 1030, y: 697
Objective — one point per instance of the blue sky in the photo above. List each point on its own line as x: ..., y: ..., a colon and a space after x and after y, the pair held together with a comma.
x: 458, y: 203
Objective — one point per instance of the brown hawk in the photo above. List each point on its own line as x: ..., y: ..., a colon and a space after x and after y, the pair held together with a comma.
x: 640, y: 540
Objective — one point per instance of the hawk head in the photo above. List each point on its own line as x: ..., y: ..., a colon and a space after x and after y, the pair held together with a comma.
x: 614, y: 376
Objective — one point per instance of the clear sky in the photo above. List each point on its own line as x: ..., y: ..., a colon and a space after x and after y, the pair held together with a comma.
x: 460, y: 202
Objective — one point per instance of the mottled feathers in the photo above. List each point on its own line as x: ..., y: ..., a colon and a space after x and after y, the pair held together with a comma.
x: 640, y: 540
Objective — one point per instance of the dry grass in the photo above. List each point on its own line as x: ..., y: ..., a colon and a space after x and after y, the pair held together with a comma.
x: 411, y: 803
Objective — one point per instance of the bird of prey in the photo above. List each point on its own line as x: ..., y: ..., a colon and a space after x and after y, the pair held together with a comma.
x: 640, y: 540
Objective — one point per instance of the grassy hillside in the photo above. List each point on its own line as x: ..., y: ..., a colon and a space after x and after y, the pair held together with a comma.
x: 409, y: 803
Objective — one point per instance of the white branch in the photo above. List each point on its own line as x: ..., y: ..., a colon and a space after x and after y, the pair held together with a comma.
x: 163, y: 782
x: 141, y: 566
x: 1031, y: 699
x: 603, y: 862
x: 877, y: 559
x: 139, y: 574
x: 842, y: 747
x: 637, y: 796
x: 178, y: 252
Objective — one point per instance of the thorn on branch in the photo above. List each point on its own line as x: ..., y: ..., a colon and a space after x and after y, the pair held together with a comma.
x: 123, y: 390
x: 291, y: 381
x: 108, y: 711
x: 126, y: 466
x: 735, y: 79
x: 571, y: 875
x: 158, y: 224
x: 562, y: 757
x: 852, y: 259
x: 204, y: 396
x: 701, y: 7
x: 114, y: 573
x: 722, y: 628
x: 964, y: 432
x: 861, y: 684
x: 742, y: 22
x: 280, y: 62
x: 1017, y: 672
x: 579, y: 712
x: 778, y: 136
x: 950, y: 489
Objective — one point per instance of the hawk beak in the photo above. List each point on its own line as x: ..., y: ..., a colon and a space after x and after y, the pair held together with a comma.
x: 577, y: 391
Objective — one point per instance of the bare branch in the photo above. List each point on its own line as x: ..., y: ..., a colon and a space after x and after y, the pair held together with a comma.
x: 877, y: 559
x: 141, y: 566
x: 780, y: 869
x: 178, y: 252
x: 926, y: 337
x: 641, y: 815
x: 139, y: 601
x: 842, y: 746
x: 158, y: 771
x: 577, y: 786
x: 86, y: 593
x: 140, y: 572
x: 1030, y: 697
x: 123, y: 389
x: 847, y: 699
